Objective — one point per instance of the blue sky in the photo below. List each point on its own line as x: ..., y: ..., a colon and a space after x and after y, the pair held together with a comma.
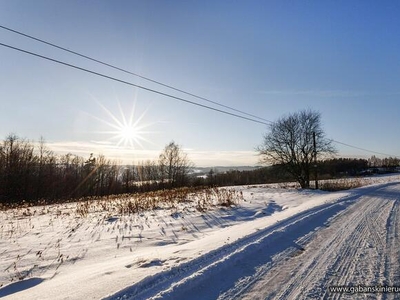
x: 267, y: 58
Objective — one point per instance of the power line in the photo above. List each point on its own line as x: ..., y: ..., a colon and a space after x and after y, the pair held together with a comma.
x: 171, y: 96
x: 132, y: 73
x: 132, y: 84
x: 363, y: 149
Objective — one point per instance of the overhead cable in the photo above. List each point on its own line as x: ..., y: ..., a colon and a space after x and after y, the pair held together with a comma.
x: 132, y: 73
x: 265, y: 122
x: 133, y: 84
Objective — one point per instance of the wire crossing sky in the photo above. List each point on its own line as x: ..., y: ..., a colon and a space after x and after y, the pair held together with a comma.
x: 262, y: 58
x: 125, y: 71
x: 132, y: 84
x: 174, y: 97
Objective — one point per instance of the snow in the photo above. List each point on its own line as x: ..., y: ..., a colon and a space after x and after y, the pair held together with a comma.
x: 277, y: 242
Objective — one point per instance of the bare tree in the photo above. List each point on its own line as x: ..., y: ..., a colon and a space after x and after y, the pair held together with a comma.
x: 174, y: 165
x: 31, y: 172
x: 289, y: 142
x: 128, y: 177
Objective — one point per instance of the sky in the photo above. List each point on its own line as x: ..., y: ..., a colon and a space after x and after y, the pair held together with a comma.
x: 266, y: 58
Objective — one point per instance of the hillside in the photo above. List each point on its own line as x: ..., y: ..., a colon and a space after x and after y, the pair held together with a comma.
x: 272, y: 242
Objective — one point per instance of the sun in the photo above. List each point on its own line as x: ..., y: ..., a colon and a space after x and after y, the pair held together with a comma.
x: 126, y: 130
x: 128, y: 134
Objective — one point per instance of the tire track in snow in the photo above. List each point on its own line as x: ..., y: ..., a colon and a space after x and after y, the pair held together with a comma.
x: 392, y: 261
x: 198, y: 278
x: 298, y: 273
x: 297, y: 258
x: 359, y: 247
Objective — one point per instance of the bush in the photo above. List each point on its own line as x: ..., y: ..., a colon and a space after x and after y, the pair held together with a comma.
x: 341, y: 184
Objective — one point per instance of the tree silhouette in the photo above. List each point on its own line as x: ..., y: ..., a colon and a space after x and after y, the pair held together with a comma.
x: 289, y: 142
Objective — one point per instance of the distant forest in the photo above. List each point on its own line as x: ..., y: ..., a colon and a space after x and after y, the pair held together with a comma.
x: 34, y: 174
x: 327, y: 169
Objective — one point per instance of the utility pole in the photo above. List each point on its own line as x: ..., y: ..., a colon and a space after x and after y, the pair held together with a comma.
x: 315, y: 162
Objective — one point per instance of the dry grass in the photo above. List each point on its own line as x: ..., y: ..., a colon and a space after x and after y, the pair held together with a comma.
x: 203, y: 198
x: 351, y: 183
x: 94, y: 212
x: 342, y: 184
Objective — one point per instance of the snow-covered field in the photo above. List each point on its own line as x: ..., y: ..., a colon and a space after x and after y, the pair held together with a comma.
x: 279, y: 243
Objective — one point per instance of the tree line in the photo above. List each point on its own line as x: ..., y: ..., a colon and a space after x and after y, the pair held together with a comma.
x: 327, y: 169
x: 32, y: 173
x: 387, y: 162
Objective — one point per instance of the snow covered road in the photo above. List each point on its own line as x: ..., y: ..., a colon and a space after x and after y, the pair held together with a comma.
x: 353, y: 241
x: 360, y: 246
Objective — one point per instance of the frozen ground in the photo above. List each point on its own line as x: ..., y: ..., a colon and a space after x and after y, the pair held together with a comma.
x: 278, y: 243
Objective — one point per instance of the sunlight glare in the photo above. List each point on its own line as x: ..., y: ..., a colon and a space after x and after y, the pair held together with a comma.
x: 127, y: 130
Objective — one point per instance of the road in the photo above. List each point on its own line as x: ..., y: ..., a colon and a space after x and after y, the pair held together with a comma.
x: 351, y: 242
x: 360, y: 246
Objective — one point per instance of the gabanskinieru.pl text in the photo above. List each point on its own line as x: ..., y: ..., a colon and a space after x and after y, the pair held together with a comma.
x: 359, y: 289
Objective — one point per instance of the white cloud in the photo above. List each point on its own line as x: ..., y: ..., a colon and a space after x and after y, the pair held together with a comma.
x: 127, y: 155
x: 223, y: 158
x: 124, y: 155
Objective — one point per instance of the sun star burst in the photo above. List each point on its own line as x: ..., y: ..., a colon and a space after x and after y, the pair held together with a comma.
x: 127, y: 130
